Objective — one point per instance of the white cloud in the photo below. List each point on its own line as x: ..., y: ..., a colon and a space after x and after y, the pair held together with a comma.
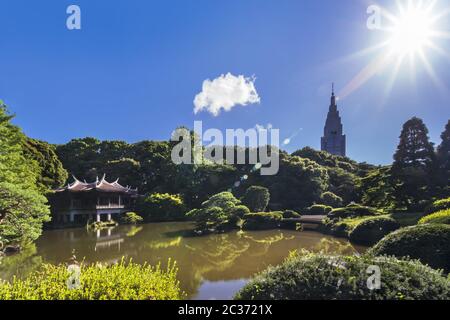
x: 226, y: 92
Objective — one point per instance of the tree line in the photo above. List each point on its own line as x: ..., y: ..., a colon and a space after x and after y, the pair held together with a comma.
x: 30, y: 169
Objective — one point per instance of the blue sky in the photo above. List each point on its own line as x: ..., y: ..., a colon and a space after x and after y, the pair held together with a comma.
x: 133, y: 70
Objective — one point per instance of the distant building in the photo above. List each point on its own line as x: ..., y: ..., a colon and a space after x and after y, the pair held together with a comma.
x: 333, y: 141
x: 100, y: 200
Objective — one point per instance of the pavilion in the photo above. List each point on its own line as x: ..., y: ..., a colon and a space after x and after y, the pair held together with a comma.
x: 79, y: 202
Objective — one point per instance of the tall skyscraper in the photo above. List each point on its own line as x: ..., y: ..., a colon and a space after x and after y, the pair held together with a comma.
x: 333, y: 140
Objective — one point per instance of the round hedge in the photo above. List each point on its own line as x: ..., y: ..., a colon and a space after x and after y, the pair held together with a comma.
x: 319, y: 210
x: 262, y: 220
x: 442, y: 216
x: 430, y: 243
x: 291, y: 214
x: 439, y: 205
x: 353, y: 211
x: 324, y: 277
x: 330, y: 199
x: 373, y: 230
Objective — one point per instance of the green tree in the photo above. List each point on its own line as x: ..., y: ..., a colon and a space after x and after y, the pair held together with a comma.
x: 443, y: 154
x: 298, y: 184
x: 52, y: 173
x: 330, y: 199
x: 162, y: 207
x: 343, y: 172
x: 256, y: 198
x: 222, y: 211
x: 23, y: 208
x: 126, y: 169
x: 414, y: 166
x: 377, y: 189
x: 81, y: 157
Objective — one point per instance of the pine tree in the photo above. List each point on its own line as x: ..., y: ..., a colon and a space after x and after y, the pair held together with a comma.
x: 23, y: 208
x: 413, y: 170
x: 443, y: 154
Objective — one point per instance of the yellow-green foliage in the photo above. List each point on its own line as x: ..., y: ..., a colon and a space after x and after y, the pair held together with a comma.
x: 122, y: 281
x: 439, y: 205
x: 442, y: 216
x: 162, y: 207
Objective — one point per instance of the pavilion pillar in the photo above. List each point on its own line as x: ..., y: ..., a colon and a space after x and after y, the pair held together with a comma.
x: 98, y: 218
x: 109, y: 217
x: 72, y: 217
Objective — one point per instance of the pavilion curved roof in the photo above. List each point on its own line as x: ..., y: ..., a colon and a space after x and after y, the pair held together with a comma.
x: 99, y: 185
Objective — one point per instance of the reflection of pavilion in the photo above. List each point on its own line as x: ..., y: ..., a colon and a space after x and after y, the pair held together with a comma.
x: 81, y: 201
x: 109, y: 240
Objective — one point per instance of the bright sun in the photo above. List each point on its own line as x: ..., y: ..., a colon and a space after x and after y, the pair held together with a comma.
x: 411, y: 31
x: 411, y: 35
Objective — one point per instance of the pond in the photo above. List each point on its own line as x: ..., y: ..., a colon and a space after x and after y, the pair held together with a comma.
x: 210, y: 267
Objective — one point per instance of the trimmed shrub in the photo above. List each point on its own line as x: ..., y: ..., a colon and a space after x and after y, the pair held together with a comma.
x: 262, y: 220
x: 352, y: 211
x: 325, y: 277
x: 335, y: 228
x: 291, y: 214
x: 240, y: 211
x: 442, y: 216
x: 319, y: 210
x: 122, y: 281
x: 439, y: 205
x: 332, y: 200
x: 162, y: 207
x: 256, y: 198
x: 131, y: 218
x: 224, y: 200
x: 221, y: 212
x: 372, y: 230
x: 430, y: 243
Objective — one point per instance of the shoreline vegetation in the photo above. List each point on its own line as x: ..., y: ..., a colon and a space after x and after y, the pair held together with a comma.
x: 400, y: 210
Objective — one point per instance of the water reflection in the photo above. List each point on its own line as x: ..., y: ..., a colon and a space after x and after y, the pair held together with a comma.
x: 214, y: 266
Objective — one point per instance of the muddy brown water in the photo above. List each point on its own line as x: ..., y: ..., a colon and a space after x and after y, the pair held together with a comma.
x: 210, y: 267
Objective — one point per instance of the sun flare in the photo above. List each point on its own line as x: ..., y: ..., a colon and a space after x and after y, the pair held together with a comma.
x: 412, y: 34
x: 412, y: 31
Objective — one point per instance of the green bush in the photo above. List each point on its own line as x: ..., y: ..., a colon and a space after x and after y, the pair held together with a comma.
x: 219, y: 213
x: 131, y: 218
x: 372, y: 230
x: 162, y: 207
x: 325, y: 277
x: 239, y: 211
x: 262, y: 220
x: 335, y: 227
x: 319, y: 210
x: 332, y: 200
x: 352, y: 211
x: 122, y: 281
x: 430, y: 243
x: 291, y: 214
x: 442, y: 216
x: 439, y: 205
x: 256, y: 198
x: 224, y: 200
